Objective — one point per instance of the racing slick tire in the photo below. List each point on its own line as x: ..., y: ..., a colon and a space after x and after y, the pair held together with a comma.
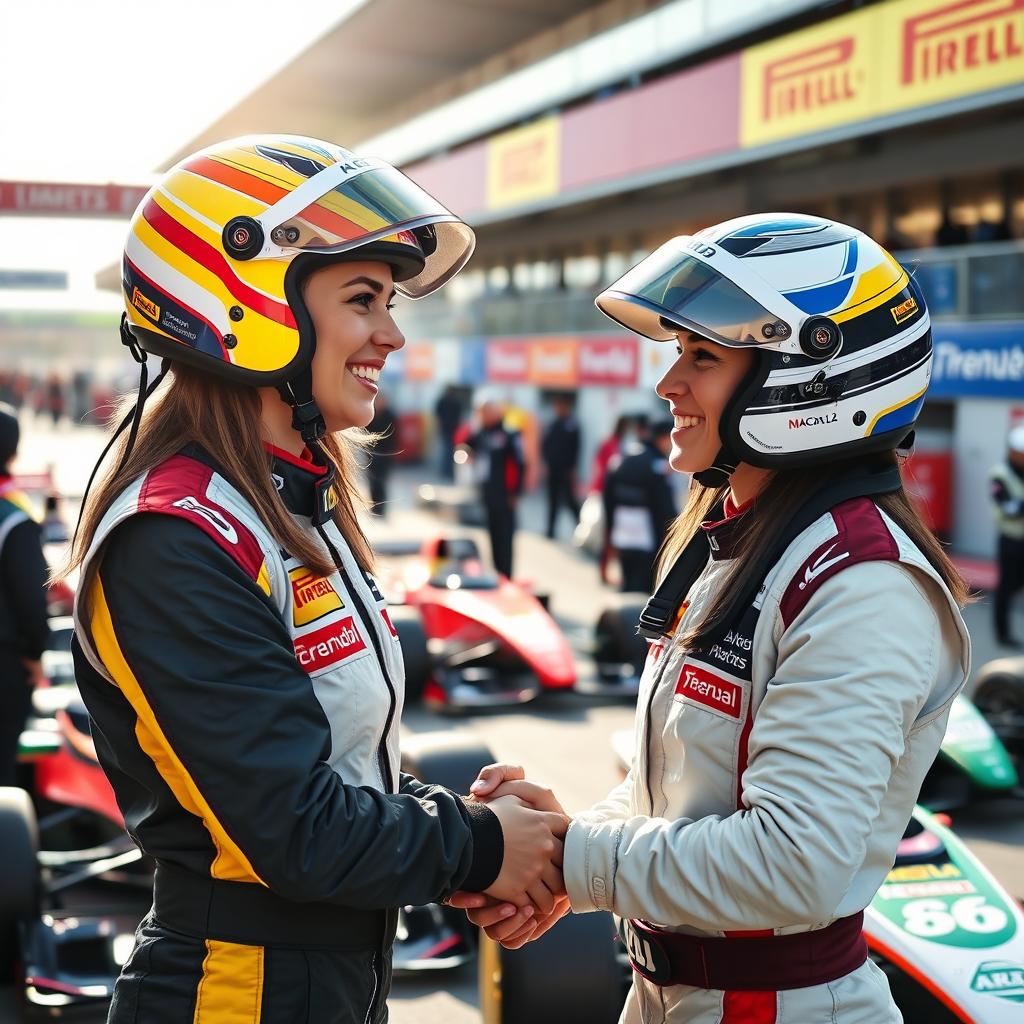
x: 570, y: 974
x: 413, y: 638
x: 615, y: 637
x: 441, y: 759
x: 999, y: 696
x: 19, y: 879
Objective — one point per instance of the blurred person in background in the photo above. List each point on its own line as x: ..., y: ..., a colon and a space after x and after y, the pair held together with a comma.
x: 380, y: 455
x: 498, y: 465
x: 449, y: 412
x: 54, y: 399
x: 639, y: 505
x: 258, y: 762
x: 23, y: 622
x: 1007, y: 484
x: 806, y: 637
x: 560, y: 449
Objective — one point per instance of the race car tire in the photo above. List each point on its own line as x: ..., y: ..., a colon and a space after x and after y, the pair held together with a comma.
x: 413, y: 638
x: 444, y: 759
x: 615, y: 637
x: 520, y: 985
x: 19, y: 880
x: 999, y: 696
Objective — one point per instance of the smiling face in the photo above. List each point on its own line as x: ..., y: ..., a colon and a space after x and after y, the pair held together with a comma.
x: 697, y: 387
x: 350, y: 305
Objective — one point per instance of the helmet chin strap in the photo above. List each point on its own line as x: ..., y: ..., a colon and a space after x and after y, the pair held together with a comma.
x: 306, y: 416
x: 718, y: 473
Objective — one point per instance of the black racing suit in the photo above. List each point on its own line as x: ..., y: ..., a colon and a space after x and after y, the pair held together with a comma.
x: 23, y: 624
x: 638, y: 509
x: 277, y: 879
x: 561, y: 451
x: 499, y: 464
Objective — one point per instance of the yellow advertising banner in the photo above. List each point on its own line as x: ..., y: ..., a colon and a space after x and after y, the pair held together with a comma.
x: 890, y: 57
x: 524, y: 164
x: 808, y: 81
x: 938, y: 51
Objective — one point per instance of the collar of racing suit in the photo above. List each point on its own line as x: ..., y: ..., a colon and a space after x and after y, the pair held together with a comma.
x: 723, y: 534
x: 306, y: 488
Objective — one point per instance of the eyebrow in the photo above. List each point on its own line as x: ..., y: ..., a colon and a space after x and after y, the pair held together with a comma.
x: 375, y: 285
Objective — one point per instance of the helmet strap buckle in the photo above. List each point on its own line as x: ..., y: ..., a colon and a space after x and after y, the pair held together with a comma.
x: 130, y: 341
x: 306, y: 416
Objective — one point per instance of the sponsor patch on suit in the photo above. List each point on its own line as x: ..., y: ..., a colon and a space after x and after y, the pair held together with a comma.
x: 313, y: 597
x: 335, y: 642
x: 713, y: 690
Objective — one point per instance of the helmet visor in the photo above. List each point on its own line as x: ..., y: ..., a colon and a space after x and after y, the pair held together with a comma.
x: 672, y: 290
x: 372, y: 205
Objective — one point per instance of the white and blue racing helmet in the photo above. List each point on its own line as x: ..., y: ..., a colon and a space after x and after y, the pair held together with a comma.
x: 842, y: 331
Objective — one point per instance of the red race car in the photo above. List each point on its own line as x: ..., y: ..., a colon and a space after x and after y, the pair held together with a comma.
x: 471, y: 637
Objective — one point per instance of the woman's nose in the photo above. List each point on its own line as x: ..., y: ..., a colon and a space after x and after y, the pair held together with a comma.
x: 672, y: 384
x: 389, y: 336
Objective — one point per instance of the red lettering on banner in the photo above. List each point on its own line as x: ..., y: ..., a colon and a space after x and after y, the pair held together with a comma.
x: 702, y: 685
x: 508, y: 361
x: 809, y: 80
x: 966, y: 34
x: 609, y: 361
x: 328, y: 645
x: 59, y: 199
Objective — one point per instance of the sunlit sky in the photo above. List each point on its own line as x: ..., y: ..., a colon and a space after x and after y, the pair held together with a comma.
x: 107, y: 90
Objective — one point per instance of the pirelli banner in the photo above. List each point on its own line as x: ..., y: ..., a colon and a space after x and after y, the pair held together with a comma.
x: 890, y: 57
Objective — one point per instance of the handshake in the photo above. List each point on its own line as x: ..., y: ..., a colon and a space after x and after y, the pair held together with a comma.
x: 528, y: 896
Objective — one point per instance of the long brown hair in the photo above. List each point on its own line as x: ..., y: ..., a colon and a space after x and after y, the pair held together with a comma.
x: 773, y: 508
x: 224, y: 417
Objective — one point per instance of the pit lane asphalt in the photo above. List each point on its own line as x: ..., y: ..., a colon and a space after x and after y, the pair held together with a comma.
x: 562, y: 740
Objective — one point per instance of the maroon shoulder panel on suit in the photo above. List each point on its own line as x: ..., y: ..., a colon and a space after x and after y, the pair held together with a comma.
x: 177, y: 487
x: 862, y: 537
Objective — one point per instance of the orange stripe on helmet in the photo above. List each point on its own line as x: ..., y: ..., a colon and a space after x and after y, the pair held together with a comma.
x: 239, y: 180
x: 258, y: 188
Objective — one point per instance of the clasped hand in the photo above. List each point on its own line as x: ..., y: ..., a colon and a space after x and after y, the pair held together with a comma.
x: 528, y: 896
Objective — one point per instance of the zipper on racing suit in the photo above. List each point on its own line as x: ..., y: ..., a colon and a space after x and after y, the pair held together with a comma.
x: 646, y: 752
x: 369, y: 624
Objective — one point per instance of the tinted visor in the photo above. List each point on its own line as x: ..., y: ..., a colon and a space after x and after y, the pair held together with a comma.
x: 374, y: 205
x: 673, y: 286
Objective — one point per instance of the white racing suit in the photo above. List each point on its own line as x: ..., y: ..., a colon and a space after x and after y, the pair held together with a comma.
x: 774, y: 774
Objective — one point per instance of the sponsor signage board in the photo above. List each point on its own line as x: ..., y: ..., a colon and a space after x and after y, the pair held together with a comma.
x: 609, y: 362
x: 552, y: 362
x: 873, y: 62
x: 508, y: 361
x: 34, y: 280
x: 977, y: 360
x: 42, y: 198
x: 524, y: 164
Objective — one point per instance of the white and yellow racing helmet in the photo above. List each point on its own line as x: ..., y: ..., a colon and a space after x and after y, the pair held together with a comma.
x: 842, y: 331
x: 217, y: 250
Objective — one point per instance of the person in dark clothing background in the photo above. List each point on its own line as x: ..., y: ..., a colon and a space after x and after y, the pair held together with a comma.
x: 449, y: 413
x: 381, y: 457
x: 561, y: 452
x: 23, y: 623
x: 498, y: 465
x: 639, y: 506
x: 1007, y: 483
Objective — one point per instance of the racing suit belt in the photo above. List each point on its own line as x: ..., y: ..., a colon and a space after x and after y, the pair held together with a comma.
x: 746, y: 964
x: 252, y: 915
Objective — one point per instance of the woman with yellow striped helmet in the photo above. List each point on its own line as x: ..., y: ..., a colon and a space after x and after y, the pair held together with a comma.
x: 244, y: 677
